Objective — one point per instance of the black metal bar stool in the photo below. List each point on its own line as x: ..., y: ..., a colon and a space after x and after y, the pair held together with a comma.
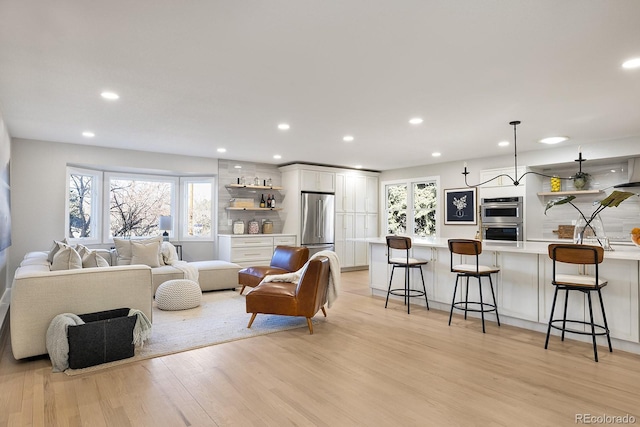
x: 472, y: 248
x: 584, y: 255
x: 401, y: 243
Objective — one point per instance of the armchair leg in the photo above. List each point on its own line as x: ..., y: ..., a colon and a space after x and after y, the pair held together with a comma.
x: 310, y: 325
x: 253, y: 316
x: 242, y: 290
x: 324, y: 311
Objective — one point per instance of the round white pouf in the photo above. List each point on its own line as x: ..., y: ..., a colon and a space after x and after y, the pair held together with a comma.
x: 178, y: 294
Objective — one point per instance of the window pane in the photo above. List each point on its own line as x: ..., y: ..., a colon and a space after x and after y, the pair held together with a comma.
x: 136, y: 206
x: 396, y: 209
x: 80, y: 205
x: 199, y: 209
x: 424, y: 208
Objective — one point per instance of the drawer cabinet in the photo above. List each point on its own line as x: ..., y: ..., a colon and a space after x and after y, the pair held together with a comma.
x: 251, y: 250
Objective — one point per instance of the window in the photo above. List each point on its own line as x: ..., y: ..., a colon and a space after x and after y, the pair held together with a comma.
x: 198, y: 203
x: 136, y: 204
x: 83, y: 189
x: 102, y: 205
x: 411, y: 205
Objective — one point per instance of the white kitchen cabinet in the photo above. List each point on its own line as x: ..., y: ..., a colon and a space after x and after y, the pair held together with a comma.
x: 344, y: 239
x: 366, y: 225
x: 517, y: 285
x: 251, y: 250
x: 501, y: 181
x: 313, y: 180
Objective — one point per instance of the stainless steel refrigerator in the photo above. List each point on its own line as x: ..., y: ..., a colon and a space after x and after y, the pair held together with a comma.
x: 317, y: 222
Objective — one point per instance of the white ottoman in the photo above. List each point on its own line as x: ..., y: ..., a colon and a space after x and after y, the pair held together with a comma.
x: 178, y: 294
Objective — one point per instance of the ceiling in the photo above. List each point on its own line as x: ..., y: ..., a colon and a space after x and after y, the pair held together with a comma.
x: 201, y: 75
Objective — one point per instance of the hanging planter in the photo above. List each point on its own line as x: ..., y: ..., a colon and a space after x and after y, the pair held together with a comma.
x: 580, y: 180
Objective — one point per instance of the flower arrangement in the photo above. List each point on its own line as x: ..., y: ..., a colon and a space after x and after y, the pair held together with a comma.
x: 612, y: 200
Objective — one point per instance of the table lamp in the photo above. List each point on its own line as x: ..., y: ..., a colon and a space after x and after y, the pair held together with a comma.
x: 166, y: 225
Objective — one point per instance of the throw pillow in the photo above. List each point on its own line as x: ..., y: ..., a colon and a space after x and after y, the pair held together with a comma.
x: 81, y: 249
x: 93, y: 259
x: 123, y: 249
x: 66, y: 259
x: 168, y: 253
x: 145, y: 253
x: 57, y: 244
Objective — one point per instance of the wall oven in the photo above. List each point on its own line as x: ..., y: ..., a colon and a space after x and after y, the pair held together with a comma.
x: 502, y: 218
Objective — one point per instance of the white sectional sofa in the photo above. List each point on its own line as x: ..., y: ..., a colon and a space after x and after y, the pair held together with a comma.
x: 39, y: 294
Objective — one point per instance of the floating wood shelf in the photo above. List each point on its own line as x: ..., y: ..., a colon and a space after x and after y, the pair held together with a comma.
x: 253, y: 209
x: 254, y: 187
x: 571, y: 193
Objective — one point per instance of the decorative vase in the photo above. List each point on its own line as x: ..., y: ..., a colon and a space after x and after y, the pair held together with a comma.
x: 592, y: 234
x: 579, y: 183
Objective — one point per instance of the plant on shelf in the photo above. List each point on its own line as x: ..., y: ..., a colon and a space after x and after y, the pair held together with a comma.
x: 580, y: 180
x: 612, y: 200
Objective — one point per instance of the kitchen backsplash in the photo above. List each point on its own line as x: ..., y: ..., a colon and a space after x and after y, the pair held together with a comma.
x: 617, y: 221
x: 229, y: 174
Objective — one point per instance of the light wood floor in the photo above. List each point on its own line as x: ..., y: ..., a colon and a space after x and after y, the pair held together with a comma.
x: 363, y: 366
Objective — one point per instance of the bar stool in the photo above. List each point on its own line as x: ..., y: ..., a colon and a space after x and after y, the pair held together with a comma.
x: 472, y: 248
x: 585, y: 255
x: 401, y: 243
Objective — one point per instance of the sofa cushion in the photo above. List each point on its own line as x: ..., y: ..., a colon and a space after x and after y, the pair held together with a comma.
x: 66, y: 258
x: 145, y: 253
x: 57, y: 245
x: 93, y: 259
x: 123, y: 249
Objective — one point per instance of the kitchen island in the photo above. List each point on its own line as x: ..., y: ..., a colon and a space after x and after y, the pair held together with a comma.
x: 524, y: 292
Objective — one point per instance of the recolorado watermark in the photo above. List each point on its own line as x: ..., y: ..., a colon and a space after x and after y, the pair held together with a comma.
x: 605, y: 419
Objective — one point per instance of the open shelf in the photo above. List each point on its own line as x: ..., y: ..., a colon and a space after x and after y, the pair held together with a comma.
x: 253, y: 209
x: 254, y: 187
x: 571, y: 193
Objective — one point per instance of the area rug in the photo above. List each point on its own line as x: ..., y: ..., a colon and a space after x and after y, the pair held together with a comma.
x: 220, y: 318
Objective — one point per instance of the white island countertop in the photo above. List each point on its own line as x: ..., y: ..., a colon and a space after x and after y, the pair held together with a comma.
x: 531, y: 247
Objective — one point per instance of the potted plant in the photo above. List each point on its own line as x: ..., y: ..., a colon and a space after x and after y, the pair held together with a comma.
x: 580, y: 180
x: 586, y: 225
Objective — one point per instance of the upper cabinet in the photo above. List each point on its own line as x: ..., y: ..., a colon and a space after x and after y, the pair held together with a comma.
x: 501, y: 180
x: 356, y: 191
x: 313, y: 180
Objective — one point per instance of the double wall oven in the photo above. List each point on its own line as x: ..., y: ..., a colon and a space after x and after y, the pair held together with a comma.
x: 502, y: 218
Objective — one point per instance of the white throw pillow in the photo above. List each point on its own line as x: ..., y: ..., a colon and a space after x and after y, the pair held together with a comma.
x: 145, y: 253
x: 81, y: 249
x: 66, y: 259
x: 123, y: 249
x: 168, y: 253
x: 93, y: 259
x: 57, y: 245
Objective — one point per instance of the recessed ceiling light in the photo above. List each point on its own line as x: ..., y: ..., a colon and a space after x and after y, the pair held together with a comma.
x: 222, y: 150
x: 110, y: 95
x: 416, y: 121
x: 358, y: 166
x: 88, y: 134
x: 503, y: 143
x: 348, y: 138
x: 284, y: 126
x: 554, y: 140
x: 277, y: 156
x: 237, y: 167
x: 436, y: 154
x: 631, y: 63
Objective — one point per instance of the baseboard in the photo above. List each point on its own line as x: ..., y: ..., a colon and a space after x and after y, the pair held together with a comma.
x: 357, y: 268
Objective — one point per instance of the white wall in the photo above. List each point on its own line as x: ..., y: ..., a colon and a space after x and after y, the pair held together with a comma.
x: 39, y: 184
x: 547, y: 160
x: 5, y: 277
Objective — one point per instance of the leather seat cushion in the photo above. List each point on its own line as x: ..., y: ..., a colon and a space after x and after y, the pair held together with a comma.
x: 252, y: 276
x: 274, y: 298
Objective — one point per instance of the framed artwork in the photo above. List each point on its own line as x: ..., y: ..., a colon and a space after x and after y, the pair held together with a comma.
x: 460, y: 206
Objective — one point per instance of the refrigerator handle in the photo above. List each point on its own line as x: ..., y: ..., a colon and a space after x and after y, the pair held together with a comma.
x: 320, y: 219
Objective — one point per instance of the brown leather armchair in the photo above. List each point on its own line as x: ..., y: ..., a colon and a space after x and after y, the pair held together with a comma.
x: 290, y: 299
x: 285, y: 259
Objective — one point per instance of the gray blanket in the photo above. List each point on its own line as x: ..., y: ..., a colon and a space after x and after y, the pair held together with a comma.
x: 57, y: 343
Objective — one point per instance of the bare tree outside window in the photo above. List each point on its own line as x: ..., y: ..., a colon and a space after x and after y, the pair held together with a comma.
x: 424, y: 208
x: 411, y: 207
x: 136, y: 206
x: 199, y: 209
x: 397, y: 209
x: 80, y: 205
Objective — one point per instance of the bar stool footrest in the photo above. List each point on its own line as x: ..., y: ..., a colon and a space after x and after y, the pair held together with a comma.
x: 401, y: 292
x: 601, y: 330
x: 460, y: 305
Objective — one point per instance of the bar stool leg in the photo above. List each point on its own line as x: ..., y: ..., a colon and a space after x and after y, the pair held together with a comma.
x: 389, y: 290
x: 466, y: 300
x: 424, y: 288
x: 455, y: 289
x: 481, y: 302
x: 564, y: 316
x: 407, y: 300
x: 604, y: 317
x: 593, y: 328
x: 494, y: 300
x: 553, y: 307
